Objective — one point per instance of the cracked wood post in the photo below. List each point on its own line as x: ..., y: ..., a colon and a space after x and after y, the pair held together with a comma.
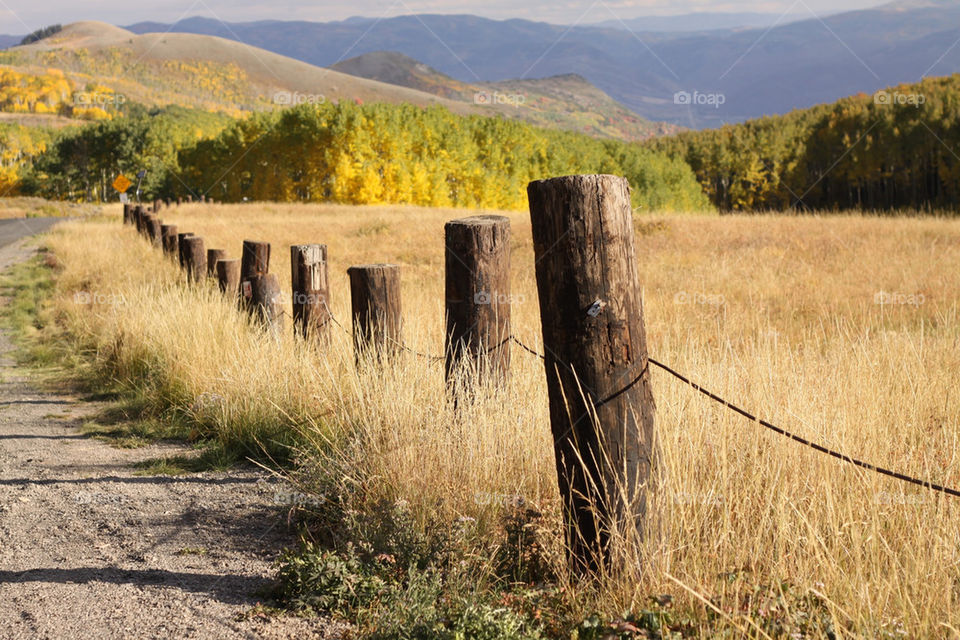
x: 375, y: 304
x: 180, y: 248
x: 168, y: 238
x: 127, y: 213
x: 311, y: 290
x: 228, y: 277
x: 477, y: 294
x: 194, y: 258
x: 254, y: 262
x: 212, y: 256
x: 591, y: 315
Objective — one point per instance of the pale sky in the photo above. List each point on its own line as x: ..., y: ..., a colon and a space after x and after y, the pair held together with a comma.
x: 22, y: 16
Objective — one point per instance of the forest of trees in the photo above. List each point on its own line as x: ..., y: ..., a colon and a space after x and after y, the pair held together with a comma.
x: 54, y: 93
x: 898, y: 148
x: 80, y: 163
x: 383, y: 153
x: 42, y: 33
x: 359, y: 154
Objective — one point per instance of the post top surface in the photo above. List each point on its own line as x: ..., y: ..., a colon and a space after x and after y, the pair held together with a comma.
x: 592, y: 177
x: 378, y: 265
x: 481, y: 220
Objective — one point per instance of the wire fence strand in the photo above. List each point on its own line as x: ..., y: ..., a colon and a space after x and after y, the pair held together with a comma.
x: 726, y: 403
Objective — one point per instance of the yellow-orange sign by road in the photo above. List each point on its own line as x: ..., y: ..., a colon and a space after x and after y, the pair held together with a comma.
x: 122, y: 183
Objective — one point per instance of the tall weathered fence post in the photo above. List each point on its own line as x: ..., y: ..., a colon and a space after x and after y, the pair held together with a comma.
x: 228, y: 277
x: 478, y: 295
x: 375, y: 303
x: 168, y: 237
x: 127, y: 213
x: 194, y: 258
x: 212, y: 256
x: 593, y: 335
x: 311, y: 289
x: 254, y: 262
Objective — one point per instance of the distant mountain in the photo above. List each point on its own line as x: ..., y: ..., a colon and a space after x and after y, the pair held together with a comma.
x: 703, y: 21
x: 216, y: 74
x: 9, y: 41
x: 201, y: 71
x: 729, y: 76
x: 565, y: 102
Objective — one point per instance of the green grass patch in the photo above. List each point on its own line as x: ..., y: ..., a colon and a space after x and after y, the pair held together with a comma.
x: 212, y: 457
x: 28, y: 287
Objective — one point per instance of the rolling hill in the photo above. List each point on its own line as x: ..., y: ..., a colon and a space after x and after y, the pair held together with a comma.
x: 758, y: 72
x: 565, y: 102
x: 199, y: 71
x: 217, y: 74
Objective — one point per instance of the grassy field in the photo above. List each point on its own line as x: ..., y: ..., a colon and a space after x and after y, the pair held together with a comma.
x: 843, y: 329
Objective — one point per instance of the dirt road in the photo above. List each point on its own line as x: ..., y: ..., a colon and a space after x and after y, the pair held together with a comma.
x: 89, y: 549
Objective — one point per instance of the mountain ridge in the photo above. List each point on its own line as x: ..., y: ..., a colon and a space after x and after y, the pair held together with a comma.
x: 795, y: 65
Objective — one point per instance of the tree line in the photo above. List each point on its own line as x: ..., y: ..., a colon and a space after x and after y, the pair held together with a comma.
x: 896, y: 149
x: 346, y: 153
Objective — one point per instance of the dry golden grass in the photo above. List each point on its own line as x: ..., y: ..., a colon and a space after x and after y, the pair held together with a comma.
x: 778, y: 314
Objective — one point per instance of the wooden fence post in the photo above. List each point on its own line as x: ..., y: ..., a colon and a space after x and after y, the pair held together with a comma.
x: 478, y: 295
x: 153, y: 230
x: 254, y: 262
x: 311, y: 289
x: 168, y: 238
x: 212, y: 256
x: 375, y: 302
x: 181, y: 247
x: 591, y: 314
x: 190, y: 199
x: 179, y: 200
x: 138, y: 214
x: 267, y: 301
x: 194, y: 258
x: 127, y: 213
x: 228, y: 277
x: 146, y: 221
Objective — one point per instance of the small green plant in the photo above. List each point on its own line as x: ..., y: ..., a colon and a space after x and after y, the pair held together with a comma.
x: 312, y: 579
